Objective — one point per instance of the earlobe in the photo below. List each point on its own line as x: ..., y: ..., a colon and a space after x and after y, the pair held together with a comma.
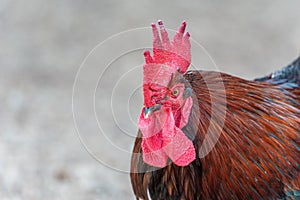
x: 187, y: 93
x: 186, y: 111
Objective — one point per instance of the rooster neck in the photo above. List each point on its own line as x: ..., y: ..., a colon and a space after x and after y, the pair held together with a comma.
x: 259, y: 142
x: 175, y: 182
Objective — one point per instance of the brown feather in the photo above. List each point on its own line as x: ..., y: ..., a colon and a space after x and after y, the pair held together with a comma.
x: 257, y: 155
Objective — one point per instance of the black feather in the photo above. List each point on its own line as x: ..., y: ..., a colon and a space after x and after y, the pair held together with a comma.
x: 288, y: 77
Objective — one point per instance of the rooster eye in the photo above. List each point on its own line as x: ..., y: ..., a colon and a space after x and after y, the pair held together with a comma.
x: 175, y: 92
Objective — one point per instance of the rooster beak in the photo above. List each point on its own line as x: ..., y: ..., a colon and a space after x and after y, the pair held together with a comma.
x: 149, y: 110
x: 146, y: 111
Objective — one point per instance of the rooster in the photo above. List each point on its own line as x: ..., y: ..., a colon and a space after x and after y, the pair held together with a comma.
x: 210, y: 135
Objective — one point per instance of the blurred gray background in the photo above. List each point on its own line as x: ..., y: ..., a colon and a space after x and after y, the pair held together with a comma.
x: 42, y: 45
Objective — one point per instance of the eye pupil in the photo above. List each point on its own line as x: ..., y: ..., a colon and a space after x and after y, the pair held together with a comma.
x: 175, y: 92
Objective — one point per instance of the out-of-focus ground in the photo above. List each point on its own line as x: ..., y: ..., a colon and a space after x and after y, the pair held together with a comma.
x: 43, y: 43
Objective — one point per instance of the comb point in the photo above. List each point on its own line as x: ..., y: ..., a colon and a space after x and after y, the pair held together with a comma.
x: 182, y: 27
x: 146, y: 53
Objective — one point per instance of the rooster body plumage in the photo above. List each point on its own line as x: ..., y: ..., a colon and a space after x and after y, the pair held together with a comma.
x: 257, y: 155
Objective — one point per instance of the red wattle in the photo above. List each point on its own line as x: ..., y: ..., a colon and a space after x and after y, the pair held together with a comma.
x: 176, y: 145
x: 181, y: 150
x: 153, y: 154
x: 162, y: 139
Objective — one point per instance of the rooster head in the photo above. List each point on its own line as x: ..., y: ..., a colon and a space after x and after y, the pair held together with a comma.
x: 167, y: 100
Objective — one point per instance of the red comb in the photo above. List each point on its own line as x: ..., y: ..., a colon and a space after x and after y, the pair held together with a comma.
x: 176, y: 53
x: 168, y: 57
